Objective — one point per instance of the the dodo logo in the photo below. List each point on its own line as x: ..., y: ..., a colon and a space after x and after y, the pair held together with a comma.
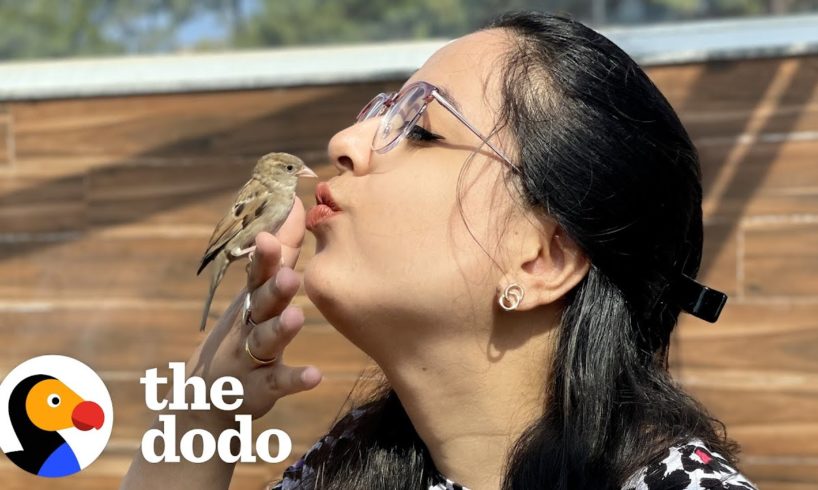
x: 55, y: 416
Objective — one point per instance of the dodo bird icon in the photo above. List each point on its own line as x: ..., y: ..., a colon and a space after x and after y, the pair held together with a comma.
x: 40, y: 406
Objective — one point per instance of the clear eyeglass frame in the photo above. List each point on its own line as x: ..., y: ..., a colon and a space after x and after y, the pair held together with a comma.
x: 400, y: 111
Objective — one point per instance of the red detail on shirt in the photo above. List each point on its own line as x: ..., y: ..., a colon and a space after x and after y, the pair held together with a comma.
x: 703, y: 456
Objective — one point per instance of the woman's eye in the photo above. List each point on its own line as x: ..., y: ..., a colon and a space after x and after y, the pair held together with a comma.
x: 420, y: 134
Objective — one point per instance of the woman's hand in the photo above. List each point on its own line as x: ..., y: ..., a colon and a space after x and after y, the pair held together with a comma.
x: 272, y: 283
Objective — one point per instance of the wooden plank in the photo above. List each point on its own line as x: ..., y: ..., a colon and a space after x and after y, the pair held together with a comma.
x: 131, y: 125
x: 243, y: 123
x: 793, y: 201
x: 123, y: 262
x: 775, y: 337
x: 735, y: 407
x: 781, y: 260
x: 779, y: 485
x: 107, y: 268
x: 770, y: 178
x: 164, y: 194
x: 675, y: 82
x: 69, y: 165
x: 31, y: 205
x: 127, y: 339
x: 5, y: 138
x: 794, y: 440
x: 139, y: 192
x: 718, y: 267
x: 712, y: 126
x: 735, y: 84
x: 54, y: 168
x: 780, y: 472
x: 778, y: 166
x: 179, y: 193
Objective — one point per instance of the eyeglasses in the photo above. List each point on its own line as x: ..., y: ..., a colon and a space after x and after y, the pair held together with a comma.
x: 400, y: 111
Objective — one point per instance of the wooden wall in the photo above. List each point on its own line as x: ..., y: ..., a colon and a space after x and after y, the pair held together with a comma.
x: 106, y: 205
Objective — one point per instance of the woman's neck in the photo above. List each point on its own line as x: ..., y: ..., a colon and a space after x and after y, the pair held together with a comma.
x: 471, y: 399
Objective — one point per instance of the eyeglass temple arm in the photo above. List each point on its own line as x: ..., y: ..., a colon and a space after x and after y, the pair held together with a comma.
x: 445, y: 103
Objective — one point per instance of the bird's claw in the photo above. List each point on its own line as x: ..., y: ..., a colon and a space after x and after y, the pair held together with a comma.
x: 238, y: 252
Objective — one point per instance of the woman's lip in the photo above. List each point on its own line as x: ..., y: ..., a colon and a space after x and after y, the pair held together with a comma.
x: 323, y: 195
x: 318, y: 214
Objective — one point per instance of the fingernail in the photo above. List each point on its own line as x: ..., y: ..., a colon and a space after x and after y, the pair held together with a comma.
x: 305, y: 375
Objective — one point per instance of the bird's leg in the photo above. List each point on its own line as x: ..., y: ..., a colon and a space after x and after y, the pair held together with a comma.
x: 238, y: 252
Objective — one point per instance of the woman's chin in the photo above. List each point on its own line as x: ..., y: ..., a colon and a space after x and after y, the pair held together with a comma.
x: 336, y: 297
x: 314, y: 283
x: 323, y: 287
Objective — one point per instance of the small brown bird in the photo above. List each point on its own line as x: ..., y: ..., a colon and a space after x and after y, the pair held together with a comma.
x: 262, y: 204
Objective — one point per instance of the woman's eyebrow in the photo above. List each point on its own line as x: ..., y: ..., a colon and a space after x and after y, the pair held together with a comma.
x: 448, y: 96
x: 444, y: 92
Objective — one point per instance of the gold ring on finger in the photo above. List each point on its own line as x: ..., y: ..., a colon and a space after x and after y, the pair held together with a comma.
x: 260, y: 362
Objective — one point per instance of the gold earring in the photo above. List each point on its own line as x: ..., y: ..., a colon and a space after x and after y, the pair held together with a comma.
x: 511, y: 297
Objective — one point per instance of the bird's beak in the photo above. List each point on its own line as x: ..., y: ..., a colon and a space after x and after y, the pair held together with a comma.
x: 306, y: 172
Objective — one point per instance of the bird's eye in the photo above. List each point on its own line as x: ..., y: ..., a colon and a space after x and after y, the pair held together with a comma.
x: 53, y: 400
x: 289, y: 168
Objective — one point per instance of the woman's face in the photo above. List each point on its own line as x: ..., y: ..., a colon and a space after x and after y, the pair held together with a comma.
x: 399, y: 264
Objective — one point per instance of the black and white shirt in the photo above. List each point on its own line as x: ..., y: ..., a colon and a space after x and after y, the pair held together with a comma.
x: 690, y: 466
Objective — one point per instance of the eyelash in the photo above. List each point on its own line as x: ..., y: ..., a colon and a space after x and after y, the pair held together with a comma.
x: 421, y: 134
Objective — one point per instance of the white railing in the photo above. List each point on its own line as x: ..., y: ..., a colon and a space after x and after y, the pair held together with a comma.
x: 650, y: 45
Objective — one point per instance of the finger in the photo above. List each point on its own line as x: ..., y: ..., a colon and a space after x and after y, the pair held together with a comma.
x: 268, y: 339
x: 266, y: 260
x: 291, y: 233
x: 270, y: 299
x: 280, y: 380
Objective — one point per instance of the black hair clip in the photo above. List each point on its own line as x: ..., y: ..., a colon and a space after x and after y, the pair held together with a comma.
x: 697, y: 299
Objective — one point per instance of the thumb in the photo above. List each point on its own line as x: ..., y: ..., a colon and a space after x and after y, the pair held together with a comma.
x: 291, y: 234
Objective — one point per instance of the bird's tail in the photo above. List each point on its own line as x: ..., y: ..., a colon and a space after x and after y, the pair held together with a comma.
x: 219, y: 267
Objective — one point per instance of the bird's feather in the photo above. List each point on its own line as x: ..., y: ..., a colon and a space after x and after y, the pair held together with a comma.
x: 262, y: 204
x: 249, y: 204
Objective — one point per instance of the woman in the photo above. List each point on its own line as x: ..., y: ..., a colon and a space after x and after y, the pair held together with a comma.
x: 518, y: 233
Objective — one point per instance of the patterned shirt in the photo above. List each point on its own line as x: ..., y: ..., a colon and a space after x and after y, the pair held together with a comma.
x: 690, y: 466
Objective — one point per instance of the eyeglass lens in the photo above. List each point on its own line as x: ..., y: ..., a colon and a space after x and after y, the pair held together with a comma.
x: 373, y: 107
x: 399, y: 118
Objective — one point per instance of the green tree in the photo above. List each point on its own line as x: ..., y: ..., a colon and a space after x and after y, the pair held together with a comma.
x: 57, y: 28
x: 52, y: 28
x: 43, y: 28
x: 323, y: 21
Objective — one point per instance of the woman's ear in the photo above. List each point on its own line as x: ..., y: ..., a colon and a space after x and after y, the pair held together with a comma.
x: 547, y: 264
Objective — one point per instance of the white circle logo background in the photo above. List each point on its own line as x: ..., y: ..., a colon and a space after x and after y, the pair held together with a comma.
x: 87, y: 445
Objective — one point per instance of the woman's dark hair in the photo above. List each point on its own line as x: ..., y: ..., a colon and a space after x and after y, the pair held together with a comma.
x: 601, y: 152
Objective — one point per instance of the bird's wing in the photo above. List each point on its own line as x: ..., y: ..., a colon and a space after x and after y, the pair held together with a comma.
x: 249, y: 204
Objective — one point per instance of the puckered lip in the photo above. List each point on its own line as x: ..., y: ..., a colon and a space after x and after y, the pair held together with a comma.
x: 323, y: 195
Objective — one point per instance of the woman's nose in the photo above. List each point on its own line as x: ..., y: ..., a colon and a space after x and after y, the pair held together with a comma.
x: 350, y: 148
